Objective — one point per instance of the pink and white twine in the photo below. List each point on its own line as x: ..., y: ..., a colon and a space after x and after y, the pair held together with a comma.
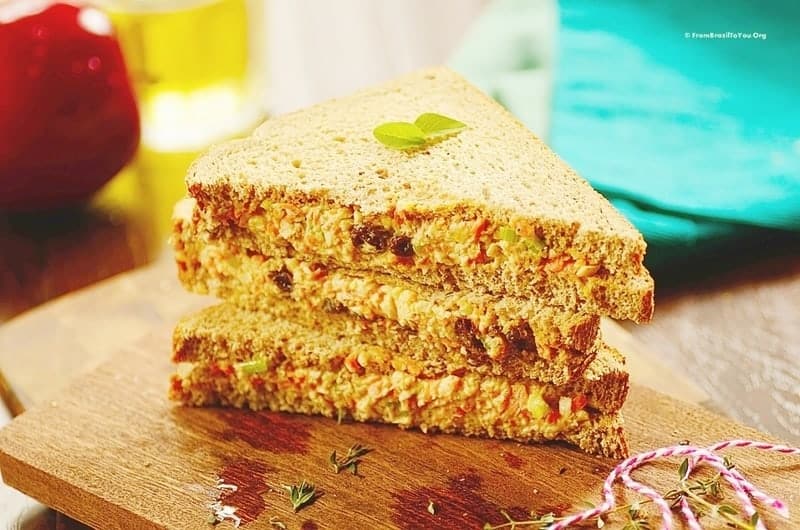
x: 744, y: 490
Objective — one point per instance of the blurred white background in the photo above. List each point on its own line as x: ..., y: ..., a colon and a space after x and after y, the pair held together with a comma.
x: 320, y: 49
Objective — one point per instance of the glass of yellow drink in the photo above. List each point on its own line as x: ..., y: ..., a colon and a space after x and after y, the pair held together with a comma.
x: 198, y: 67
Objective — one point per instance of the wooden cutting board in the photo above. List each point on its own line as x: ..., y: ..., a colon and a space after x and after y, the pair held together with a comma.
x: 112, y: 452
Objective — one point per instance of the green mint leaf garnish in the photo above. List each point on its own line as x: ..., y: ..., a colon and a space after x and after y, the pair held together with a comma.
x: 427, y: 128
x: 399, y: 135
x: 435, y: 125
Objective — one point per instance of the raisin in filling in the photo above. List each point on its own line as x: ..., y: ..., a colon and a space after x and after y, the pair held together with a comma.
x: 551, y: 397
x: 333, y: 306
x: 521, y: 338
x: 465, y: 329
x: 375, y: 236
x: 401, y: 246
x: 282, y: 278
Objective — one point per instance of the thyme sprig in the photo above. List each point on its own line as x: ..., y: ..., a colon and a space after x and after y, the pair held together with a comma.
x: 301, y: 494
x: 274, y: 522
x: 703, y: 496
x: 350, y: 460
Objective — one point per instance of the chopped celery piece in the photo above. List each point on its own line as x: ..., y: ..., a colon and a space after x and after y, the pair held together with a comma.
x: 537, y: 406
x: 461, y: 234
x: 256, y: 366
x: 506, y: 233
x: 533, y: 243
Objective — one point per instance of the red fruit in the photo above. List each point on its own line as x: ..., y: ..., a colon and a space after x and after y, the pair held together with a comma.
x: 553, y: 416
x: 68, y: 117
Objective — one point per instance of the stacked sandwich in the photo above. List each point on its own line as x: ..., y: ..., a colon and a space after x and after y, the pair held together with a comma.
x: 454, y: 287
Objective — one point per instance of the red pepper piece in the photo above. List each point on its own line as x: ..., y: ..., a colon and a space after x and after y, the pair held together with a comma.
x: 579, y: 402
x: 480, y: 229
x: 177, y: 384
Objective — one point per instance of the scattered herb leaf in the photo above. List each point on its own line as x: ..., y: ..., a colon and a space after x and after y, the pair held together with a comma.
x: 700, y: 494
x: 350, y: 460
x: 274, y: 522
x: 683, y: 471
x: 301, y: 494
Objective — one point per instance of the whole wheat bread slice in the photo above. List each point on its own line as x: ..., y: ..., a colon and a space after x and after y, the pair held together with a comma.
x: 490, y: 208
x: 227, y: 334
x: 279, y: 365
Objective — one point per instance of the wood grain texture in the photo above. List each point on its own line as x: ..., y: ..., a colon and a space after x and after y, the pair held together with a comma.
x: 112, y: 452
x: 46, y: 254
x: 129, y: 306
x: 733, y: 326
